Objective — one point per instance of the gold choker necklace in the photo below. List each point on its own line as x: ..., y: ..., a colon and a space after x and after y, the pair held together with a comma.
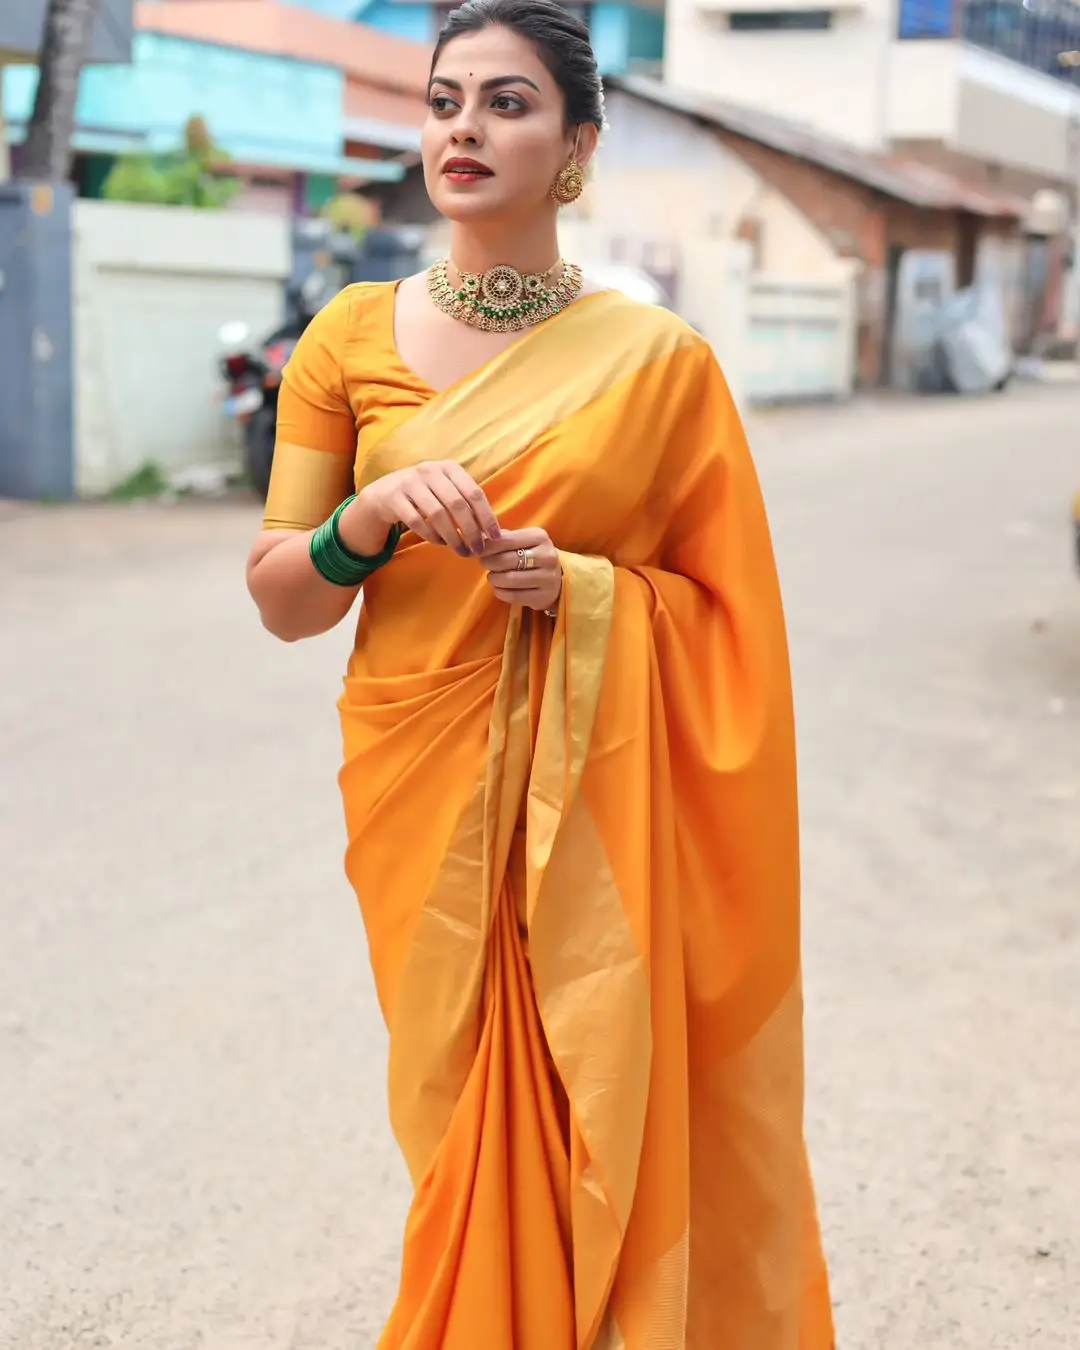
x: 502, y: 300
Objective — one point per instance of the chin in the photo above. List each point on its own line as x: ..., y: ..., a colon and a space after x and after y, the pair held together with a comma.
x: 465, y: 207
x: 458, y: 213
x: 479, y: 204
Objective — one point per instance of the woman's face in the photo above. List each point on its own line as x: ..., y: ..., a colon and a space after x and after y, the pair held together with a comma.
x: 495, y: 135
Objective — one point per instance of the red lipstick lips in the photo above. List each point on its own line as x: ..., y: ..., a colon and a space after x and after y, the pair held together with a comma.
x: 465, y: 170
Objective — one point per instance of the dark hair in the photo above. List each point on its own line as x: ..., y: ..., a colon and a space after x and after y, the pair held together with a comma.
x: 561, y: 41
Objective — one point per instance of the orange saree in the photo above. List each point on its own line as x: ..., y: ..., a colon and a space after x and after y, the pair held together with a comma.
x: 575, y: 847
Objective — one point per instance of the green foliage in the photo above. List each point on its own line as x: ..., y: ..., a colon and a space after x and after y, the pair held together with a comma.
x: 350, y: 213
x: 148, y: 480
x: 189, y: 176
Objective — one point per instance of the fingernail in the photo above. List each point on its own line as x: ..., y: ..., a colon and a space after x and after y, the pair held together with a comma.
x: 496, y: 533
x: 461, y: 550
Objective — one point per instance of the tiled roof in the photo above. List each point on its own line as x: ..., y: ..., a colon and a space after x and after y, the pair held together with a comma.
x: 905, y: 179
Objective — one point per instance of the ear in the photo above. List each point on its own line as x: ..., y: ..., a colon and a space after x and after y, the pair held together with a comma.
x: 587, y: 137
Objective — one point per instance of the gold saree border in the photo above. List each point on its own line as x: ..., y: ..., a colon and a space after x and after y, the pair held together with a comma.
x: 571, y: 696
x: 591, y: 978
x: 560, y: 367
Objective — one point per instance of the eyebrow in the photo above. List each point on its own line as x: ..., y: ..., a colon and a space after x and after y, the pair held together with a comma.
x: 499, y: 82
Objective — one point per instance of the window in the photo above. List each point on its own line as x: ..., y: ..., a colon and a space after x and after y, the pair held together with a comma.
x: 926, y: 18
x: 767, y: 21
x: 1040, y: 34
x: 442, y: 9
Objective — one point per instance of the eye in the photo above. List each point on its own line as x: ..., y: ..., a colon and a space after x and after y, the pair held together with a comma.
x: 440, y: 103
x: 507, y: 103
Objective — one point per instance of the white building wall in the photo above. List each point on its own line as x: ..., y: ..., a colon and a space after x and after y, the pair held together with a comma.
x: 834, y: 79
x: 152, y: 286
x: 660, y: 177
x: 858, y: 81
x: 923, y: 90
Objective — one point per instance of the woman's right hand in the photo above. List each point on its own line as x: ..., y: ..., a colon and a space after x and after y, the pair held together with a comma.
x: 436, y: 500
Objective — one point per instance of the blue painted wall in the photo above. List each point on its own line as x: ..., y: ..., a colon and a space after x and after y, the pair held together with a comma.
x: 646, y: 34
x: 407, y: 21
x: 621, y: 33
x: 335, y: 9
x: 264, y: 108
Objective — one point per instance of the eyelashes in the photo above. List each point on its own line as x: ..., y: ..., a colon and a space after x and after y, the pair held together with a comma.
x: 504, y: 103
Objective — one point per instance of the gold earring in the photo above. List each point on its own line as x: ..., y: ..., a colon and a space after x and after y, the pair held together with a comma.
x: 569, y: 184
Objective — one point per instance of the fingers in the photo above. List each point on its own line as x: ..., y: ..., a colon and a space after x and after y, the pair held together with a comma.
x: 541, y: 553
x: 521, y: 595
x: 536, y: 587
x: 441, y: 503
x: 474, y: 499
x: 506, y: 564
x: 422, y: 512
x: 447, y: 511
x: 408, y: 513
x: 538, y: 597
x: 509, y: 541
x: 523, y: 580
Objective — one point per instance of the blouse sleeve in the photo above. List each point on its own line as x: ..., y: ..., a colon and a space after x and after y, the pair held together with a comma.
x: 316, y: 426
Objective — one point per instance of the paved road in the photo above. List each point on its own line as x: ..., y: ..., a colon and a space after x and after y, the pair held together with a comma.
x: 193, y: 1148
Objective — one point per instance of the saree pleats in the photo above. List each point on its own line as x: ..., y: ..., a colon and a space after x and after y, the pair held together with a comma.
x: 575, y: 846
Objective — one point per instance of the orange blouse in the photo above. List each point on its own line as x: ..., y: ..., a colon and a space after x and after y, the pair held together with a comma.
x: 346, y: 390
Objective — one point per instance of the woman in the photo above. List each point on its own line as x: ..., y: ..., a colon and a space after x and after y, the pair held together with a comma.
x: 569, y: 765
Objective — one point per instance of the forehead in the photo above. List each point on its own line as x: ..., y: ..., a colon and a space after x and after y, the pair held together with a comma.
x: 490, y: 54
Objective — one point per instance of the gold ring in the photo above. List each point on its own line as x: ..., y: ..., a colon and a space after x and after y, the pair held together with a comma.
x: 525, y: 559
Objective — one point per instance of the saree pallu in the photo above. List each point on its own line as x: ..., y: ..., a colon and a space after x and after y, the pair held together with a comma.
x: 575, y: 847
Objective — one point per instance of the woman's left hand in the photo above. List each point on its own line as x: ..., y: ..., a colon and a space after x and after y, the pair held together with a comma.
x: 523, y: 568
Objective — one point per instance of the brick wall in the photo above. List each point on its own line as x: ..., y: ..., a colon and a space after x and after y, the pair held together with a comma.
x: 846, y: 212
x: 862, y: 223
x: 913, y: 227
x: 849, y: 215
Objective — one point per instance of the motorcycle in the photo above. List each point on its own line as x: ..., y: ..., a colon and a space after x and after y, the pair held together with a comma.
x: 252, y: 373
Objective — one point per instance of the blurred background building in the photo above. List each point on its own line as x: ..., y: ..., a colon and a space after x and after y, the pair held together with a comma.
x: 21, y: 25
x: 986, y: 88
x: 806, y: 185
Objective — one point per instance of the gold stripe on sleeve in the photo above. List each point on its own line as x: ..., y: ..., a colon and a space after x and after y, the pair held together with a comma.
x: 305, y: 487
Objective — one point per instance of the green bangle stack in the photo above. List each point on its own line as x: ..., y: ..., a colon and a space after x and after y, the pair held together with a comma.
x: 340, y: 565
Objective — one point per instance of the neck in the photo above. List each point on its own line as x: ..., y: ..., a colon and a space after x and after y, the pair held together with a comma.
x: 529, y: 249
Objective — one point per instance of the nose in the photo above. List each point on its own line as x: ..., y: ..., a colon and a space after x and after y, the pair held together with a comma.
x: 466, y: 132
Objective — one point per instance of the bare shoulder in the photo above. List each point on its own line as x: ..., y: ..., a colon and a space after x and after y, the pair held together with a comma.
x: 412, y: 291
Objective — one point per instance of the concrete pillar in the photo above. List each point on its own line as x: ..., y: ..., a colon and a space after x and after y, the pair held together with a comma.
x: 5, y: 156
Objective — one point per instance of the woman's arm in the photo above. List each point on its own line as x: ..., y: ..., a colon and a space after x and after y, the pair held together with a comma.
x: 311, y: 476
x: 294, y: 600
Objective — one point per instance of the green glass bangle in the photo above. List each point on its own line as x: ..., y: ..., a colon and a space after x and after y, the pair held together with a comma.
x: 340, y: 565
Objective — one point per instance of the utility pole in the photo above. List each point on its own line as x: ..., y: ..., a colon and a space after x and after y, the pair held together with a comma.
x: 1070, y: 299
x: 65, y: 46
